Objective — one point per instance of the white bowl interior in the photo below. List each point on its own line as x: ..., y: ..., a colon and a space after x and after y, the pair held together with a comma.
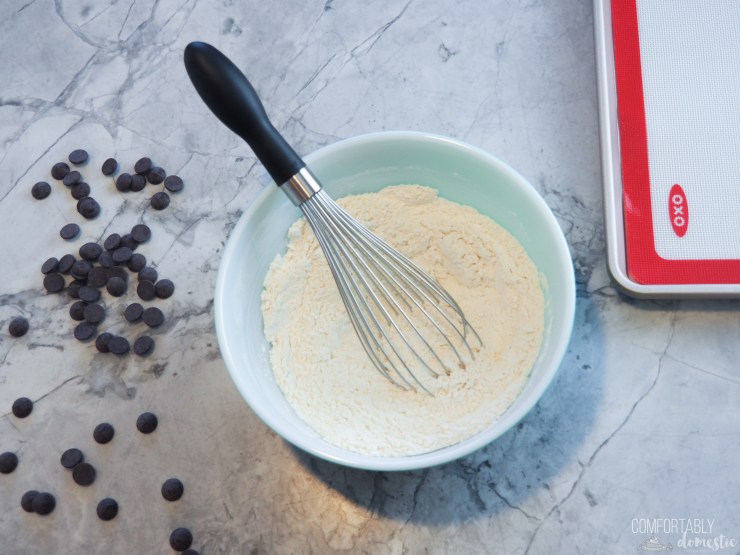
x: 460, y: 173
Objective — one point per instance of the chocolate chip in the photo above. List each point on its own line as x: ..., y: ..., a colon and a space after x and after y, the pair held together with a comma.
x: 88, y: 207
x: 143, y: 165
x: 98, y: 276
x: 153, y: 317
x: 160, y: 200
x: 43, y: 503
x: 90, y: 251
x: 94, y: 313
x: 156, y: 175
x: 101, y: 342
x: 69, y: 231
x: 148, y: 274
x: 181, y: 539
x: 40, y: 190
x: 81, y: 190
x: 107, y: 509
x: 145, y: 290
x: 54, y: 282
x: 66, y: 262
x: 138, y: 182
x: 123, y: 182
x: 147, y: 422
x: 18, y: 326
x: 84, y: 474
x: 141, y: 233
x: 121, y: 255
x: 143, y: 345
x: 77, y: 311
x: 59, y: 170
x: 133, y: 312
x: 106, y: 259
x: 118, y: 345
x: 22, y: 407
x: 78, y: 156
x: 73, y: 289
x: 116, y: 286
x: 128, y: 240
x: 72, y: 178
x: 117, y: 271
x: 89, y: 294
x: 72, y: 457
x: 51, y: 265
x: 173, y: 183
x: 84, y: 331
x: 80, y: 269
x: 172, y: 489
x: 164, y: 288
x: 103, y: 433
x: 137, y: 262
x: 112, y: 242
x: 27, y: 500
x: 109, y: 166
x: 8, y: 462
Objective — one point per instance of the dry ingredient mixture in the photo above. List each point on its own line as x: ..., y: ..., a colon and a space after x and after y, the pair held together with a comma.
x: 322, y: 368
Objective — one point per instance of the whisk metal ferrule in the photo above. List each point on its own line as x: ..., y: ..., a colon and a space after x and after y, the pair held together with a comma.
x: 301, y: 186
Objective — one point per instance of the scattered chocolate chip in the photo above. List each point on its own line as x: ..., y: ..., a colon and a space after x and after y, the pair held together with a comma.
x: 153, y: 317
x: 147, y: 422
x: 88, y: 207
x: 112, y: 242
x: 129, y: 241
x: 156, y: 175
x: 173, y: 183
x: 40, y: 190
x: 160, y: 200
x: 8, y: 462
x: 69, y: 231
x: 98, y: 276
x: 143, y: 345
x: 80, y: 269
x: 27, y: 500
x: 118, y: 345
x: 85, y: 330
x: 133, y: 312
x: 103, y: 433
x: 77, y: 311
x: 123, y: 182
x: 117, y: 271
x: 141, y: 233
x: 172, y: 489
x: 143, y: 165
x: 72, y: 457
x: 90, y: 251
x: 78, y: 156
x: 72, y: 178
x: 121, y: 255
x: 54, y: 282
x: 94, y: 313
x: 109, y: 166
x: 59, y: 170
x: 22, y: 407
x: 145, y: 290
x: 84, y: 474
x: 181, y: 539
x: 106, y: 259
x: 101, y: 342
x: 66, y: 262
x: 73, y: 289
x: 89, y: 294
x: 138, y: 182
x: 164, y: 288
x: 137, y: 262
x: 43, y: 503
x: 51, y: 265
x: 116, y: 286
x: 79, y: 191
x: 18, y: 326
x: 148, y: 274
x: 107, y: 509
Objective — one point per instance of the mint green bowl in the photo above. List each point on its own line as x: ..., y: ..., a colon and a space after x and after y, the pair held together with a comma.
x: 364, y: 164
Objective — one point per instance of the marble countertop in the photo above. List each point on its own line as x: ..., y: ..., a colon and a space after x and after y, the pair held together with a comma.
x: 638, y: 435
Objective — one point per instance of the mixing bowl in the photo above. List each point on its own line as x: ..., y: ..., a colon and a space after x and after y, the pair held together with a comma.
x: 460, y: 173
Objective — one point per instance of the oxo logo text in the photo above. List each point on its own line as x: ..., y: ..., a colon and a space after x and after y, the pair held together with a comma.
x: 678, y: 210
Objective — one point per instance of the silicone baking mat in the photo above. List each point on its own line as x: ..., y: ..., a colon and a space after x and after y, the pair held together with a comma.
x: 677, y: 67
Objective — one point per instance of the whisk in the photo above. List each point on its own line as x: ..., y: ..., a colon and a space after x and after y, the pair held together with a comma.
x: 407, y: 323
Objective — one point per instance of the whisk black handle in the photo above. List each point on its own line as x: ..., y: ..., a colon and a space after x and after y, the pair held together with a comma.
x: 231, y: 97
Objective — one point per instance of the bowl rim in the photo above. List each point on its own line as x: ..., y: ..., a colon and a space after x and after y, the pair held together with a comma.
x: 560, y: 336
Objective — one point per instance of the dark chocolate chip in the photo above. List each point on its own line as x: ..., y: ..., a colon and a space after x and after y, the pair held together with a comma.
x: 173, y: 183
x: 153, y: 317
x: 107, y: 509
x: 90, y: 251
x: 147, y: 422
x: 112, y: 242
x: 101, y: 342
x: 138, y: 182
x: 106, y: 259
x: 118, y: 345
x: 18, y: 326
x: 73, y: 289
x: 148, y: 274
x: 109, y: 166
x: 143, y: 165
x: 72, y: 457
x: 141, y: 233
x: 66, y: 262
x: 72, y: 178
x: 143, y: 345
x: 51, y: 265
x: 94, y: 313
x: 43, y: 503
x: 85, y: 330
x: 129, y: 241
x: 81, y: 190
x: 69, y: 231
x: 117, y: 271
x: 164, y: 288
x: 80, y: 269
x: 145, y: 290
x: 27, y: 500
x: 22, y: 407
x: 133, y: 312
x: 77, y: 310
x: 40, y: 190
x: 88, y: 207
x: 156, y: 175
x: 78, y: 156
x: 59, y: 170
x: 181, y: 539
x: 121, y: 255
x: 89, y: 294
x: 103, y: 433
x: 160, y: 200
x: 98, y: 276
x: 8, y: 462
x: 84, y: 474
x: 137, y: 262
x: 54, y: 282
x: 172, y: 489
x: 116, y: 286
x: 123, y: 182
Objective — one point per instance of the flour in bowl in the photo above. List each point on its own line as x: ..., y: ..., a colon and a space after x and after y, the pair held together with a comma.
x: 325, y: 374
